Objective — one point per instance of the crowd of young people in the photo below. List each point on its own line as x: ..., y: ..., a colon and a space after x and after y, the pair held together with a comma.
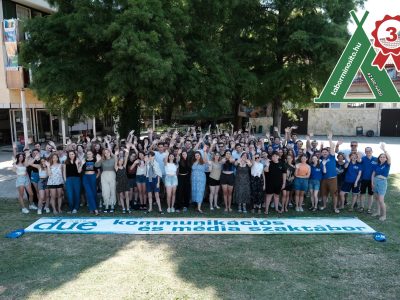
x: 221, y: 167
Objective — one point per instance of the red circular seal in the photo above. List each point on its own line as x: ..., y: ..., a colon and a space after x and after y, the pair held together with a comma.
x: 389, y: 45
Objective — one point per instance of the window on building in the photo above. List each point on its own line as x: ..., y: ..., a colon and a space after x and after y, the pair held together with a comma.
x: 335, y: 105
x: 392, y: 73
x: 370, y: 105
x: 23, y: 13
x: 9, y: 10
x: 36, y: 13
x: 355, y: 105
x: 322, y: 105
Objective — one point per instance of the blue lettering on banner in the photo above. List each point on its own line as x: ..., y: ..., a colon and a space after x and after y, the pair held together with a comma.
x: 63, y: 226
x: 200, y: 226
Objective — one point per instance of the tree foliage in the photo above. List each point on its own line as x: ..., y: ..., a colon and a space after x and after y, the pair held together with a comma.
x: 96, y: 55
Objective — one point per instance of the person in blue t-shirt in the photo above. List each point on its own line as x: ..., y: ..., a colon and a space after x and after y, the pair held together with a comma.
x: 315, y: 181
x: 352, y: 179
x: 379, y: 181
x: 369, y: 163
x: 329, y: 175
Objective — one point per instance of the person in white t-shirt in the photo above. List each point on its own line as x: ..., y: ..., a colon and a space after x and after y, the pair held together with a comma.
x: 171, y: 180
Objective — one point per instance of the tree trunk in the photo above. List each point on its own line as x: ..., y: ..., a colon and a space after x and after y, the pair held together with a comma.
x: 129, y: 116
x: 168, y: 110
x: 277, y: 113
x: 237, y: 120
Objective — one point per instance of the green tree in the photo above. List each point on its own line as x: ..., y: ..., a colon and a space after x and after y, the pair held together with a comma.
x: 66, y: 53
x: 302, y: 43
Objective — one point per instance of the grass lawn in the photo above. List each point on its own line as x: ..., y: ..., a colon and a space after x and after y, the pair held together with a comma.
x: 45, y: 266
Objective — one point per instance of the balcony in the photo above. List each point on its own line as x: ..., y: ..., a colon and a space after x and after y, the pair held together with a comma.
x: 17, y: 78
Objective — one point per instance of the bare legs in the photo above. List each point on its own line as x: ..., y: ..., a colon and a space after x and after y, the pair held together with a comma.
x: 56, y: 195
x: 21, y: 192
x: 214, y: 190
x: 381, y: 207
x: 227, y: 191
x: 171, y: 195
x: 314, y: 199
x: 124, y: 199
x: 299, y: 198
x: 150, y: 198
x: 142, y: 194
x: 268, y: 199
x: 285, y: 200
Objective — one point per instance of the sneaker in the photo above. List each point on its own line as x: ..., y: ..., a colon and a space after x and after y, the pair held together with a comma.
x: 168, y: 210
x: 290, y: 204
x: 185, y: 209
x: 105, y: 211
x: 39, y: 211
x: 47, y: 210
x: 25, y: 210
x: 124, y: 211
x: 301, y: 209
x: 211, y: 208
x: 244, y: 211
x: 240, y: 210
x: 111, y: 210
x: 177, y: 210
x: 33, y: 207
x: 172, y: 209
x: 74, y: 211
x: 297, y: 209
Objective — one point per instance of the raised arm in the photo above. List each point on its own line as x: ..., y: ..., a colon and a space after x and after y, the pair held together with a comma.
x: 331, y: 143
x: 98, y: 161
x: 308, y: 142
x: 339, y: 142
x: 116, y: 160
x: 388, y: 157
x: 276, y: 132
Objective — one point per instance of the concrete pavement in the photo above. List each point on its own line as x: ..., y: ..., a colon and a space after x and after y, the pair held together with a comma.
x: 7, y: 176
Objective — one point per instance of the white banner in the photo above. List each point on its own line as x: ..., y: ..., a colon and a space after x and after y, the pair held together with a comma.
x: 199, y: 226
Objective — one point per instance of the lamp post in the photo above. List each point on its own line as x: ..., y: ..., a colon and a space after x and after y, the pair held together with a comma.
x: 94, y: 127
x: 23, y: 106
x: 24, y: 119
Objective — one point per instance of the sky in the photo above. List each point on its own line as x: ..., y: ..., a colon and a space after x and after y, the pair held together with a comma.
x: 377, y: 10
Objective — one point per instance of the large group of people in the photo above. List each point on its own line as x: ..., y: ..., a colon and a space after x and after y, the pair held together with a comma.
x: 226, y: 168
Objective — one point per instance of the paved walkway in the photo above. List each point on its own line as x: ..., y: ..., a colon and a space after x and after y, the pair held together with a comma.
x: 7, y: 176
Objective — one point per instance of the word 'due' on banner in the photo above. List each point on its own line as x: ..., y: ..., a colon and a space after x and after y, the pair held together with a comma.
x: 359, y: 54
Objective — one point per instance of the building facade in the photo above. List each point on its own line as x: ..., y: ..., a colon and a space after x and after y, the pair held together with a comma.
x: 38, y: 120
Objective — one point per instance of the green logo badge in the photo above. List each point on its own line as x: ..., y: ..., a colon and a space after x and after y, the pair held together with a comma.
x: 359, y: 54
